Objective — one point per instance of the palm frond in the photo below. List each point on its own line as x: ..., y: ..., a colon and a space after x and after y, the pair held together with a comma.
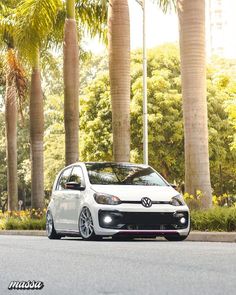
x: 140, y: 2
x: 7, y: 24
x: 50, y: 63
x: 17, y: 76
x: 35, y: 21
x: 166, y: 5
x: 2, y: 70
x: 55, y: 38
x: 92, y: 17
x: 9, y: 3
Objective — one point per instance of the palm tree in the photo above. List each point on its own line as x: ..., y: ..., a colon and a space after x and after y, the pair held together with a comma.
x: 11, y: 135
x: 92, y: 16
x: 15, y: 88
x: 71, y: 84
x: 191, y: 15
x: 36, y: 20
x: 193, y: 74
x: 36, y: 136
x: 119, y: 70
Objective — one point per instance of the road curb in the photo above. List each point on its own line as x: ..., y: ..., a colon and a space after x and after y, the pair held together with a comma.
x: 229, y: 237
x: 194, y: 236
x: 36, y: 233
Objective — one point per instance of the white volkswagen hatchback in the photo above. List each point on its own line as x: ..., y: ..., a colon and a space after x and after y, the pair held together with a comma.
x: 94, y: 200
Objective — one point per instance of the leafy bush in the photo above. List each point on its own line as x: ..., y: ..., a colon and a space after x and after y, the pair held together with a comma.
x: 23, y: 220
x: 215, y: 219
x: 26, y: 224
x: 195, y: 202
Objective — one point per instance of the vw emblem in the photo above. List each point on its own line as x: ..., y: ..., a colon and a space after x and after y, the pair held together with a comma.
x: 146, y: 202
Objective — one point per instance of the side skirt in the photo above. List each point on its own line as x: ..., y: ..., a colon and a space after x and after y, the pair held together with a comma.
x: 68, y: 233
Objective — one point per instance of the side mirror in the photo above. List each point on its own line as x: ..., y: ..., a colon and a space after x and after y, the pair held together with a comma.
x: 74, y: 186
x: 174, y: 185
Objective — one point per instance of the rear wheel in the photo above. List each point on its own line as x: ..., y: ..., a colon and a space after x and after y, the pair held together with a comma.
x: 51, y: 232
x: 86, y: 227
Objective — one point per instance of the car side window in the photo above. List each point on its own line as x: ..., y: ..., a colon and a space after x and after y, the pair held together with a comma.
x: 77, y: 176
x: 64, y: 179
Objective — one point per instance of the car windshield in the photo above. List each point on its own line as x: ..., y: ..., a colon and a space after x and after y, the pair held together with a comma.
x: 123, y: 174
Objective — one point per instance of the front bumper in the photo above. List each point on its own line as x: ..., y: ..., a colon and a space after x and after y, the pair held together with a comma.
x: 143, y: 222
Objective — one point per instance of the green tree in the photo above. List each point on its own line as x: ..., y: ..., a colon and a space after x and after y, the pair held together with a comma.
x: 15, y: 88
x: 164, y: 111
x: 231, y: 110
x: 96, y: 118
x: 166, y: 134
x: 36, y: 20
x: 54, y: 138
x: 166, y: 137
x: 40, y: 18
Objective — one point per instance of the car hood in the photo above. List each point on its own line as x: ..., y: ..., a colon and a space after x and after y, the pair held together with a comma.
x: 137, y: 192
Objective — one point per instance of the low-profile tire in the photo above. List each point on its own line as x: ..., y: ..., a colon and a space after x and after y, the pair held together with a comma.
x: 86, y: 227
x: 176, y: 238
x: 50, y: 229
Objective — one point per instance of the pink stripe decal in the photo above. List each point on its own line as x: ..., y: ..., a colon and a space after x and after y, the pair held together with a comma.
x: 147, y: 232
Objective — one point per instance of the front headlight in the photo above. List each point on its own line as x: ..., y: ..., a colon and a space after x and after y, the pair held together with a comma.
x: 106, y: 199
x: 177, y: 201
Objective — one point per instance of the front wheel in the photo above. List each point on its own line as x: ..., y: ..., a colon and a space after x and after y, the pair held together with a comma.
x: 86, y: 227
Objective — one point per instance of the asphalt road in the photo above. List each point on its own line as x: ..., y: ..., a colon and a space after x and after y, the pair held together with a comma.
x: 74, y: 266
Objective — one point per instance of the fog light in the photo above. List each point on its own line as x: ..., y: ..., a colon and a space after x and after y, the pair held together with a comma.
x: 182, y: 220
x: 107, y: 219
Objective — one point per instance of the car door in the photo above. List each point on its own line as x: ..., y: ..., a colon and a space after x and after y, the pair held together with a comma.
x: 59, y: 196
x: 73, y: 199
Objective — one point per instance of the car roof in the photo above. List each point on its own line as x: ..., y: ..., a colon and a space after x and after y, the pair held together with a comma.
x: 112, y: 163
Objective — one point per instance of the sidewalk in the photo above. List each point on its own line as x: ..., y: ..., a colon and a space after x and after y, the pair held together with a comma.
x: 194, y: 236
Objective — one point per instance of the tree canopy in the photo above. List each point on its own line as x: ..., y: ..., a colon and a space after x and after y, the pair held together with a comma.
x: 166, y: 142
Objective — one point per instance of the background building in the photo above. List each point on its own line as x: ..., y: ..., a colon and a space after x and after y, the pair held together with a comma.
x: 220, y: 27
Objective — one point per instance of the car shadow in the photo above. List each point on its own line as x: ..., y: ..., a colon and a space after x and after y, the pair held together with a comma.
x: 110, y: 240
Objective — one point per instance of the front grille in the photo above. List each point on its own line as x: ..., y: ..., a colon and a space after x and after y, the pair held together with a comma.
x: 153, y: 202
x: 143, y: 220
x: 149, y: 227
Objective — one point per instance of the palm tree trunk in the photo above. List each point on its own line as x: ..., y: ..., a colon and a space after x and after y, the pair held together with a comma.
x: 11, y: 141
x: 71, y: 85
x: 193, y: 73
x: 36, y: 137
x: 119, y: 70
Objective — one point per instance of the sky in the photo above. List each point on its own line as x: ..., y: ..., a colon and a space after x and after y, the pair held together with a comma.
x: 161, y: 28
